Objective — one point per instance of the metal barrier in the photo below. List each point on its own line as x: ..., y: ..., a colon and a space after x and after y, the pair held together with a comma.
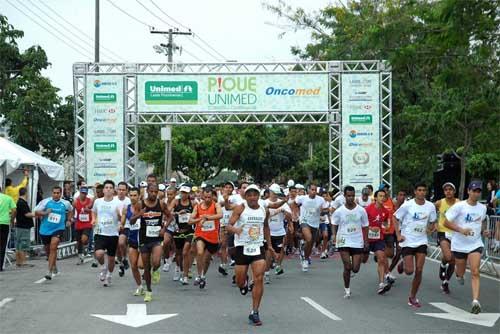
x: 492, y: 246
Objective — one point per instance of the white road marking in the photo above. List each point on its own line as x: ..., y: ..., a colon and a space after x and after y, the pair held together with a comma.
x: 320, y: 308
x: 4, y: 301
x: 136, y: 316
x: 456, y: 314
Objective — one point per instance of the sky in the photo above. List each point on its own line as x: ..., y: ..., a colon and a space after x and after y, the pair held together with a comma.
x: 241, y: 30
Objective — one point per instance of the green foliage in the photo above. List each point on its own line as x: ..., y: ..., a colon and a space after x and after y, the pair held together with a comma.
x: 37, y: 117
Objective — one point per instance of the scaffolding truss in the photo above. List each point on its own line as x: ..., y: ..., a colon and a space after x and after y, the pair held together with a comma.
x: 135, y: 117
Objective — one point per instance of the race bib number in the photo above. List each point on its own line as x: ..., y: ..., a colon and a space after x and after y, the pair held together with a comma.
x: 107, y: 221
x: 418, y: 230
x: 352, y: 229
x: 184, y: 219
x: 84, y: 217
x: 136, y: 226
x: 311, y: 212
x: 208, y: 226
x: 274, y: 220
x: 374, y: 233
x: 448, y: 235
x: 251, y: 249
x: 54, y: 218
x: 153, y: 231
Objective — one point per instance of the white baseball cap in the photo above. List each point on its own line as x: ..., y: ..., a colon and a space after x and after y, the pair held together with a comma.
x: 299, y: 186
x: 275, y: 188
x: 161, y: 187
x: 143, y: 184
x: 185, y: 189
x: 290, y: 183
x: 252, y: 187
x: 173, y: 180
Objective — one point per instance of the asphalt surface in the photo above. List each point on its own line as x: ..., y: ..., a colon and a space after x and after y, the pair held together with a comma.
x: 66, y: 303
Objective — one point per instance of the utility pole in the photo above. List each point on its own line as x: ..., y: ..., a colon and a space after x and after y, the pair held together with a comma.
x: 166, y: 131
x: 96, y: 45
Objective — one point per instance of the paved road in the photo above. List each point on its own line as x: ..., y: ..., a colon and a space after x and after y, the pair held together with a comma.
x: 65, y: 303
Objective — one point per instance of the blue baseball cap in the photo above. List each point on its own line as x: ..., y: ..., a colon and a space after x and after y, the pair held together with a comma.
x: 84, y: 190
x: 476, y: 185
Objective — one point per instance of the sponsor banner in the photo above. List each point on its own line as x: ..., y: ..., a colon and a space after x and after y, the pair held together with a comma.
x: 104, y: 131
x: 307, y: 92
x: 361, y: 161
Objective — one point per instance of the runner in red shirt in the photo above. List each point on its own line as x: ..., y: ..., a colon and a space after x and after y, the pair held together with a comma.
x: 377, y: 222
x: 206, y: 216
x: 83, y: 221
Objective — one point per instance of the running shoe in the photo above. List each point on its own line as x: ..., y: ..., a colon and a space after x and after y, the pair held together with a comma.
x: 324, y: 255
x: 197, y: 281
x: 254, y: 319
x: 80, y: 259
x: 184, y: 281
x: 414, y: 302
x: 347, y: 295
x: 177, y: 274
x: 305, y: 266
x: 203, y: 282
x: 155, y: 277
x: 107, y: 280
x: 102, y: 274
x: 279, y: 270
x: 121, y: 270
x: 126, y: 264
x: 244, y: 290
x: 139, y: 291
x: 442, y: 272
x: 476, y: 307
x: 445, y: 287
x: 48, y: 276
x: 148, y: 296
x: 222, y: 270
x: 94, y: 264
x: 250, y: 286
x: 383, y: 288
x: 166, y: 266
x: 390, y: 280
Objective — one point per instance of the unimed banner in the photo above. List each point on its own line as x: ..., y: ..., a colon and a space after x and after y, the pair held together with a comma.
x: 306, y: 92
x: 104, y: 149
x: 361, y: 161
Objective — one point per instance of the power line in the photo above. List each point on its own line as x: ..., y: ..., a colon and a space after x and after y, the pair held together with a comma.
x: 68, y: 30
x: 154, y: 14
x: 131, y: 16
x: 53, y: 27
x: 192, y: 55
x: 81, y: 31
x: 195, y: 35
x: 50, y: 32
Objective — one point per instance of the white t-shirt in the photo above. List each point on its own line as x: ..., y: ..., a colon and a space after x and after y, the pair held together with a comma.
x: 350, y: 226
x: 310, y: 209
x: 226, y: 214
x: 338, y: 201
x: 414, y: 219
x: 276, y: 218
x: 123, y: 205
x: 466, y: 216
x: 107, y: 216
x: 362, y: 203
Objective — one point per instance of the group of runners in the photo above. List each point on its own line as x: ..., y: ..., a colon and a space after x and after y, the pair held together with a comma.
x: 252, y: 228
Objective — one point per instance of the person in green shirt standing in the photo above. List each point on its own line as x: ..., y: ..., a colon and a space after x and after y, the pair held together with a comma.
x: 7, y: 214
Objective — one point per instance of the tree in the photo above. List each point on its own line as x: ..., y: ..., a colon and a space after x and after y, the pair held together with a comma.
x: 37, y: 117
x: 444, y: 58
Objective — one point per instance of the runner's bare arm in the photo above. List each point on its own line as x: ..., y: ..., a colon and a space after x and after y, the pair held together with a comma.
x: 234, y: 218
x: 267, y: 232
x: 194, y: 219
x: 138, y: 211
x: 277, y: 204
x: 452, y: 226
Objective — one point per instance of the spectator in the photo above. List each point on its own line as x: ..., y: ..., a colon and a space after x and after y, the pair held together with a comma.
x: 68, y: 191
x: 13, y: 191
x: 24, y: 223
x: 7, y: 214
x: 490, y: 199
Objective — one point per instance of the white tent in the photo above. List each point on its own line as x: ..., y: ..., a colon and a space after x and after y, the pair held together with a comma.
x: 13, y: 158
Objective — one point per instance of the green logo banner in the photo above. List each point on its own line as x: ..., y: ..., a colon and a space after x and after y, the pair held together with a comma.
x: 171, y: 92
x: 104, y: 97
x: 360, y: 119
x: 105, y: 147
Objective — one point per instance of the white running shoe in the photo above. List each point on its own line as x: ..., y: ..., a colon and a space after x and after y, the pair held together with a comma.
x: 347, y: 295
x: 139, y: 291
x: 166, y: 267
x: 102, y: 274
x: 177, y: 274
x: 107, y: 280
x: 305, y: 266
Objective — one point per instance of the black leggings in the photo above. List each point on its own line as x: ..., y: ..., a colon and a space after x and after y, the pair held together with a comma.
x: 4, y: 236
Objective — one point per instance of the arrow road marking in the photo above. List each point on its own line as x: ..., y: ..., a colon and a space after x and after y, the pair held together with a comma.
x: 136, y: 316
x: 5, y: 301
x: 456, y: 314
x: 320, y: 308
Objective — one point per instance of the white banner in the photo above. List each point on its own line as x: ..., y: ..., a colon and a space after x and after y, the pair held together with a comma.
x: 104, y: 149
x: 361, y: 161
x: 307, y: 92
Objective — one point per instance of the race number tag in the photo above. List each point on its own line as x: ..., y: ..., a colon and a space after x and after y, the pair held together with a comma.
x: 419, y: 230
x: 84, y: 217
x: 153, y: 231
x: 448, y: 235
x: 352, y: 229
x: 54, y: 218
x: 208, y: 226
x: 374, y: 233
x: 136, y: 226
x: 184, y: 218
x: 107, y: 221
x: 251, y: 249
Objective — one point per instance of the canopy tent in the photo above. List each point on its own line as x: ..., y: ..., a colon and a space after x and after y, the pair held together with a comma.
x: 43, y: 172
